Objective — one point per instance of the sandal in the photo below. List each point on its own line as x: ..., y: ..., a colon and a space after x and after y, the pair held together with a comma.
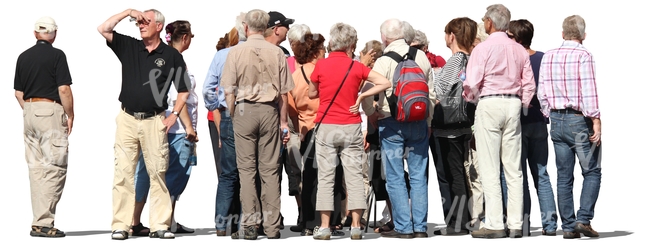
x: 385, y: 228
x: 139, y: 230
x: 49, y: 232
x: 162, y: 234
x: 119, y: 235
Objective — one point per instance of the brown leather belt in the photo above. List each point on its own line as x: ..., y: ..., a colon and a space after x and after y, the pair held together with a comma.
x: 35, y: 99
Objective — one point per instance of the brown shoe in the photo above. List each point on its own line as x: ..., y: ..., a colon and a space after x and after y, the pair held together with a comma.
x: 586, y: 230
x: 487, y: 233
x: 420, y: 235
x: 571, y: 235
x: 221, y: 233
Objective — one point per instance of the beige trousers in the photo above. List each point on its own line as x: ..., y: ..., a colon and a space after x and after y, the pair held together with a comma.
x: 148, y: 135
x: 257, y: 144
x: 498, y: 140
x: 347, y: 141
x: 475, y: 190
x: 46, y: 153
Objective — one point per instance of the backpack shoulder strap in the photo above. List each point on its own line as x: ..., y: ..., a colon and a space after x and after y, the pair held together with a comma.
x: 394, y: 56
x: 412, y: 52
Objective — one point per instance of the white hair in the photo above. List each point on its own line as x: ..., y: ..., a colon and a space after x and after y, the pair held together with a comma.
x: 257, y: 20
x: 499, y: 15
x: 239, y: 25
x: 392, y: 29
x: 297, y: 32
x: 420, y: 38
x: 342, y: 37
x: 159, y: 17
x: 409, y: 32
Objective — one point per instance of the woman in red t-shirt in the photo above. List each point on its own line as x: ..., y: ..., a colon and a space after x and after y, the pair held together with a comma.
x: 339, y: 133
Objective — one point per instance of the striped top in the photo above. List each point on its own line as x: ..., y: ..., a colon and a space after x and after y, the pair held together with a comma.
x: 567, y: 80
x: 449, y: 75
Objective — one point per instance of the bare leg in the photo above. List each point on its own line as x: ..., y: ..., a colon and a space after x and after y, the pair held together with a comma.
x: 325, y: 219
x: 356, y: 218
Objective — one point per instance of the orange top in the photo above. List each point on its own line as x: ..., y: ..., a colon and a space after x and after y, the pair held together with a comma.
x: 305, y: 106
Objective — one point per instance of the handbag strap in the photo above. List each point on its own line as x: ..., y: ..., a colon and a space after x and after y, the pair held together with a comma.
x: 335, y: 94
x: 313, y: 135
x: 304, y: 75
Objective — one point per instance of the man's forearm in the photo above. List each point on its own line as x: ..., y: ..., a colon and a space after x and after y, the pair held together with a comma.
x: 180, y: 101
x: 230, y: 101
x: 109, y: 25
x: 19, y: 97
x: 283, y: 109
x: 65, y: 93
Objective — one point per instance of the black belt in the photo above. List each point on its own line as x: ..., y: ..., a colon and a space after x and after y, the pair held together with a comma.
x: 253, y: 102
x: 141, y: 115
x: 500, y: 96
x: 567, y: 111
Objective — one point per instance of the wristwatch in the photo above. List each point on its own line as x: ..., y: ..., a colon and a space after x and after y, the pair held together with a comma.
x: 175, y: 113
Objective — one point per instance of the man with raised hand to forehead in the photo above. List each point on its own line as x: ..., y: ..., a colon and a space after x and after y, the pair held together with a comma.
x: 149, y: 67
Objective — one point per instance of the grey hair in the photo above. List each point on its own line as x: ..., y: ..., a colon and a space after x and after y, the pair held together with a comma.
x: 342, y: 37
x: 409, y: 32
x: 257, y: 20
x: 239, y: 25
x: 573, y: 27
x: 480, y: 33
x: 159, y: 17
x: 420, y: 38
x: 500, y: 16
x: 297, y: 32
x: 392, y: 29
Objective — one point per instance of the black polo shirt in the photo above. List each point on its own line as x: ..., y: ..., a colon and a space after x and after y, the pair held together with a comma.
x: 164, y: 67
x: 40, y: 70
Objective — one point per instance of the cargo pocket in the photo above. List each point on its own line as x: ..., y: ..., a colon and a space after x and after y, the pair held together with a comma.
x: 59, y: 152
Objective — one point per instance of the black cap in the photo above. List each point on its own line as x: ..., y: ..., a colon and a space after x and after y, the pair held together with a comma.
x: 278, y: 19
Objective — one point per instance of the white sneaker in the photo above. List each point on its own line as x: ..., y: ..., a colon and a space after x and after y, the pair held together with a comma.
x: 322, y: 233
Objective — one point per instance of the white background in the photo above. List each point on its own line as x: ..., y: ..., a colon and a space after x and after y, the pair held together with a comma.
x: 613, y: 35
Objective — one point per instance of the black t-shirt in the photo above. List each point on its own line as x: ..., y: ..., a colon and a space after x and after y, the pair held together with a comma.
x: 164, y: 66
x: 286, y: 52
x: 40, y: 70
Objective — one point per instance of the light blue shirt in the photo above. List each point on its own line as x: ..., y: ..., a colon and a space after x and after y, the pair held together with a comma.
x: 213, y: 95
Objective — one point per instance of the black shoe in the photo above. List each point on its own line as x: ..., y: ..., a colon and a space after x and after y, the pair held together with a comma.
x: 281, y: 222
x: 181, y: 229
x: 545, y: 233
x: 296, y: 228
x: 420, y: 235
x: 249, y: 233
x: 450, y: 231
x: 394, y: 234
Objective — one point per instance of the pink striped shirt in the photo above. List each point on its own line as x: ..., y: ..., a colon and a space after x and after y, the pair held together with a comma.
x: 499, y: 65
x: 567, y: 80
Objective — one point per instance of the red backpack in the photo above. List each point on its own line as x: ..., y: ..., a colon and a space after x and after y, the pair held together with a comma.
x: 410, y: 99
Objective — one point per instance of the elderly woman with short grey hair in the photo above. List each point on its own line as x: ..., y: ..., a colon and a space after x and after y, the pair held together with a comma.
x: 336, y: 81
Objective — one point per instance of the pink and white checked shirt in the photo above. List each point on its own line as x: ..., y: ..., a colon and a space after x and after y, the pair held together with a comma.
x: 567, y: 80
x: 499, y: 65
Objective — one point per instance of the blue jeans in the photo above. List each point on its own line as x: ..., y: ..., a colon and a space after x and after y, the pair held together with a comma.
x: 228, y: 186
x: 534, y: 155
x: 570, y: 135
x: 178, y: 171
x: 408, y: 141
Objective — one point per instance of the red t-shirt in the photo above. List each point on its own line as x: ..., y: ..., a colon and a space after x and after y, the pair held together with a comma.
x: 329, y: 73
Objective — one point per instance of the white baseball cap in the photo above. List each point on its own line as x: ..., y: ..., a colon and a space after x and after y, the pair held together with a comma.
x: 45, y: 25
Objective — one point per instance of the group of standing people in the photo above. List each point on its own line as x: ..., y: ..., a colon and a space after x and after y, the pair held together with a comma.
x: 319, y: 117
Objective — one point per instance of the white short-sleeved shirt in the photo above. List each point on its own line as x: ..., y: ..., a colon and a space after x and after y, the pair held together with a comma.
x: 191, y: 104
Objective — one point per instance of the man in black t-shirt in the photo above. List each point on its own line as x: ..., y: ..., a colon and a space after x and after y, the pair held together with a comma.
x: 42, y: 83
x: 149, y: 67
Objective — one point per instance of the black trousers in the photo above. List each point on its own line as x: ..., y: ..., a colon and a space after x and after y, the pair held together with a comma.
x: 443, y: 184
x: 453, y: 152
